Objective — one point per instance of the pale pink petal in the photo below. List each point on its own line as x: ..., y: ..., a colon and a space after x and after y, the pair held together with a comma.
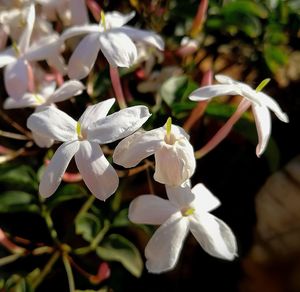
x: 145, y: 36
x: 95, y: 112
x: 68, y: 89
x: 7, y: 56
x: 98, y: 175
x: 263, y: 125
x: 56, y: 168
x: 84, y: 57
x: 150, y: 209
x: 27, y: 100
x: 118, y: 125
x: 163, y: 249
x: 79, y: 13
x: 16, y: 78
x: 118, y: 48
x: 133, y: 149
x: 42, y: 141
x: 53, y: 123
x: 214, y: 236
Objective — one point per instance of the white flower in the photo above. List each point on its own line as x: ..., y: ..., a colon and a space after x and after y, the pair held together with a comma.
x: 113, y: 38
x: 82, y: 139
x: 186, y: 210
x: 174, y: 155
x: 261, y: 104
x: 47, y: 96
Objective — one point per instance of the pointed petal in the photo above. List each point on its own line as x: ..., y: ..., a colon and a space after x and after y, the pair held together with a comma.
x: 117, y: 19
x: 204, y: 199
x: 53, y: 123
x: 57, y: 167
x: 150, y: 209
x: 6, y: 57
x: 16, y: 78
x: 163, y: 249
x: 133, y: 149
x: 42, y: 141
x: 79, y: 13
x: 224, y: 79
x: 95, y: 112
x: 27, y: 100
x: 215, y: 237
x: 78, y: 30
x: 263, y: 125
x: 145, y: 36
x: 84, y: 57
x: 210, y: 91
x: 68, y: 89
x: 26, y: 35
x: 118, y: 125
x: 174, y: 164
x: 118, y: 48
x: 180, y: 196
x: 99, y: 176
x: 273, y: 106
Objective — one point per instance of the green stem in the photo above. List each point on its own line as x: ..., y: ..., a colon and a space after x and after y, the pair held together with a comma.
x: 69, y: 273
x: 100, y: 235
x: 9, y: 259
x: 50, y: 225
x: 86, y: 206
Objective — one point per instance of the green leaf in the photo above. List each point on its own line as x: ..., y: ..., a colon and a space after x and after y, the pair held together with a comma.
x: 17, y: 201
x: 87, y: 225
x: 117, y: 248
x: 275, y: 57
x: 121, y: 219
x: 66, y: 193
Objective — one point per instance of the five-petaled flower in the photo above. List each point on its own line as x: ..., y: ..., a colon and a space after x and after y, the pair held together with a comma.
x: 185, y: 210
x: 261, y: 105
x: 82, y: 139
x: 174, y: 155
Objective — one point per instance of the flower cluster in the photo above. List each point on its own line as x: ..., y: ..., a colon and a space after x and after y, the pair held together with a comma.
x: 29, y: 84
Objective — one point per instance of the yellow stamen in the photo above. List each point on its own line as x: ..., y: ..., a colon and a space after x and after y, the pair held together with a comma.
x: 262, y: 84
x: 78, y: 130
x: 168, y: 128
x: 16, y: 48
x: 188, y: 212
x: 39, y: 99
x: 103, y: 21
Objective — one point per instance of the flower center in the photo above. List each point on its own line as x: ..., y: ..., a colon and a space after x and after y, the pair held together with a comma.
x: 80, y: 133
x: 39, y: 99
x: 16, y: 49
x: 187, y: 211
x: 103, y: 21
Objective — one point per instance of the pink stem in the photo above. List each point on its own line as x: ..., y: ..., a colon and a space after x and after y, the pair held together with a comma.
x: 116, y: 84
x: 95, y: 9
x: 31, y: 85
x: 199, y: 18
x: 224, y: 131
x: 4, y: 241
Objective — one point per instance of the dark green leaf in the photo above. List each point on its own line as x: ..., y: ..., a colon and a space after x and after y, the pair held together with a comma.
x: 87, y: 225
x: 121, y: 220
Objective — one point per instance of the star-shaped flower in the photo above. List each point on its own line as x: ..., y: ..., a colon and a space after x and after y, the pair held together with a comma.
x: 82, y: 139
x: 113, y: 38
x: 186, y: 210
x: 261, y: 104
x: 174, y: 155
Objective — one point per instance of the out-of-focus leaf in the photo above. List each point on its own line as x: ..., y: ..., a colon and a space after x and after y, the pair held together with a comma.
x: 87, y: 225
x: 121, y: 219
x: 17, y: 284
x: 17, y: 201
x: 66, y: 193
x: 117, y: 248
x: 275, y: 57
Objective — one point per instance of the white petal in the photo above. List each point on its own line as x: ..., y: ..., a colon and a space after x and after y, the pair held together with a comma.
x: 273, y: 106
x: 263, y: 125
x: 180, y: 196
x: 47, y: 88
x: 133, y: 149
x: 79, y: 13
x: 95, y: 112
x: 163, y: 249
x: 68, y: 89
x: 53, y: 123
x: 174, y: 164
x: 84, y: 57
x: 117, y: 19
x: 26, y: 35
x: 57, y: 167
x: 16, y: 78
x: 27, y: 100
x: 145, y: 36
x: 57, y: 61
x: 210, y: 91
x: 118, y: 48
x: 215, y: 237
x: 78, y: 30
x: 150, y: 209
x: 42, y: 141
x: 204, y: 198
x: 118, y: 125
x: 99, y: 176
x: 224, y: 79
x: 7, y: 56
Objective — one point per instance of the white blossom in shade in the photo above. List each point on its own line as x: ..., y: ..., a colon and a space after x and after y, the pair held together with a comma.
x: 82, y: 139
x: 185, y: 210
x: 46, y: 97
x: 113, y: 38
x: 174, y: 155
x: 260, y: 102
